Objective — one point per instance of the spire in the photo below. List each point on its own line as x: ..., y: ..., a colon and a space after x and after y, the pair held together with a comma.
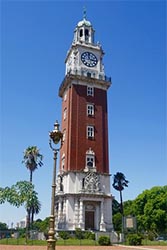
x: 84, y: 13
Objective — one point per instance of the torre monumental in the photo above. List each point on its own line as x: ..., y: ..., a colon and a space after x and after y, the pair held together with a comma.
x: 83, y: 196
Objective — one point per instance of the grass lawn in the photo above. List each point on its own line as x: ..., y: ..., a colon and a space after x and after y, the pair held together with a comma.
x: 60, y: 242
x: 154, y: 243
x: 69, y: 242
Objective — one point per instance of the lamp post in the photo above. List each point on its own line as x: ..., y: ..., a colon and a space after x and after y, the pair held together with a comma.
x: 55, y: 137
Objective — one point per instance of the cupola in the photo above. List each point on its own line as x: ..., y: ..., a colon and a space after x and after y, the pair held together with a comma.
x: 84, y: 32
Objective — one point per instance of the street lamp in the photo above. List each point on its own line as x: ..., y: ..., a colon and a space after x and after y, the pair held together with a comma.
x: 55, y: 137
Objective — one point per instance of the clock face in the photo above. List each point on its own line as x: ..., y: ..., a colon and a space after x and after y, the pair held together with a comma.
x: 89, y: 59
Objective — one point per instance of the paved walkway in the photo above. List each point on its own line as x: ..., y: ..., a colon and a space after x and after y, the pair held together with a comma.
x: 116, y: 247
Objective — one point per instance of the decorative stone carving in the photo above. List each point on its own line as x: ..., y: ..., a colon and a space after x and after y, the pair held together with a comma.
x: 89, y: 207
x: 92, y: 182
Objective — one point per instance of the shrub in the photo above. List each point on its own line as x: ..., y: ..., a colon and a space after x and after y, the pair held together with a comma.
x: 151, y: 235
x: 134, y: 239
x: 64, y: 235
x: 104, y: 241
x: 89, y: 235
x: 79, y: 233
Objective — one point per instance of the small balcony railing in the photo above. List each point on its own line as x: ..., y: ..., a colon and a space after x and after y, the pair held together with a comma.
x: 76, y: 72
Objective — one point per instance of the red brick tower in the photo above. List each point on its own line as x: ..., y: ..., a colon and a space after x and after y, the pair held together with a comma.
x: 83, y: 184
x: 84, y: 123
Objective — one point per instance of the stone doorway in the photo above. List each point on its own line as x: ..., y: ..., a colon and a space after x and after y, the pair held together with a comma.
x: 89, y: 220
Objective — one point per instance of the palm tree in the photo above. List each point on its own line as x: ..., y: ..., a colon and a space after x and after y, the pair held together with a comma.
x: 33, y: 205
x: 32, y: 159
x: 119, y: 183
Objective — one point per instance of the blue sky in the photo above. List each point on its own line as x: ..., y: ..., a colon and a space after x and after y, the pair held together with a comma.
x: 35, y: 37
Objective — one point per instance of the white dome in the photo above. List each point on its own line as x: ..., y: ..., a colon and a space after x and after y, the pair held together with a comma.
x: 84, y: 22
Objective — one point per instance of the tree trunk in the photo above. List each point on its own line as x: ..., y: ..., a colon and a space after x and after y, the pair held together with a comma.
x: 30, y: 176
x: 28, y: 215
x: 122, y: 212
x: 121, y: 204
x: 27, y: 225
x: 32, y: 216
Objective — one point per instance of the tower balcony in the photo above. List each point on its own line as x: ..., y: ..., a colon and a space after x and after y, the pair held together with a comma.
x: 100, y: 80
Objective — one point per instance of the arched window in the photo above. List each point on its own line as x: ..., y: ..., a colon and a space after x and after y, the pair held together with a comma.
x: 90, y: 158
x: 86, y: 35
x: 89, y: 161
x: 81, y: 32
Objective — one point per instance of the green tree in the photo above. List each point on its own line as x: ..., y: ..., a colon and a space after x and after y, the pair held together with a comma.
x: 36, y: 224
x: 42, y: 225
x: 117, y: 221
x: 129, y: 208
x: 3, y: 226
x: 150, y: 208
x: 21, y: 193
x: 115, y: 206
x: 32, y: 159
x: 117, y: 217
x: 18, y: 194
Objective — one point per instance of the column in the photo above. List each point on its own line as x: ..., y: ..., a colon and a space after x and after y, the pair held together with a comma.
x: 76, y: 213
x: 64, y: 213
x: 64, y: 207
x: 81, y: 223
x: 59, y: 213
x: 102, y: 223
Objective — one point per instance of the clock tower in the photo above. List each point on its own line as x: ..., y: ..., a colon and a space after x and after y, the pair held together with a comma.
x: 83, y: 197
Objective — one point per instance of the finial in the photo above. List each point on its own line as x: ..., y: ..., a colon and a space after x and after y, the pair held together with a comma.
x: 84, y: 12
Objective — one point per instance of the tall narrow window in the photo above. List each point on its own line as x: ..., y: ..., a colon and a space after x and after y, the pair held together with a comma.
x: 90, y: 158
x: 81, y: 33
x: 86, y: 32
x: 62, y: 203
x: 65, y: 114
x: 63, y: 161
x: 90, y: 109
x: 90, y: 91
x: 83, y: 182
x: 90, y: 132
x: 64, y: 135
x: 65, y: 96
x: 86, y: 35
